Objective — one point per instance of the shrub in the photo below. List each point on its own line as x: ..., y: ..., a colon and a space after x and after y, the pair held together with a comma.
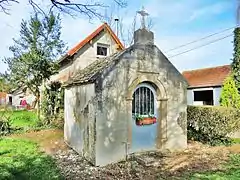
x: 52, y: 105
x: 229, y: 95
x: 211, y: 124
x: 5, y: 122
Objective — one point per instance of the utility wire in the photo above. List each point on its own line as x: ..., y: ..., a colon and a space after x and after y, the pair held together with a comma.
x: 203, y: 38
x: 197, y: 47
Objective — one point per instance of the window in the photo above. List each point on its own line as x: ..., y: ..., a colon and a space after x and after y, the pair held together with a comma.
x: 143, y: 101
x: 203, y: 97
x: 102, y: 50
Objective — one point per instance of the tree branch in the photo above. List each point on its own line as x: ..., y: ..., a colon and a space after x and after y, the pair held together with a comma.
x: 91, y: 10
x: 4, y: 4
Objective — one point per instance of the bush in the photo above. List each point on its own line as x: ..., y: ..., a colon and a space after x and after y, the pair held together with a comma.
x: 211, y: 124
x: 5, y: 122
x: 52, y: 105
x: 229, y: 95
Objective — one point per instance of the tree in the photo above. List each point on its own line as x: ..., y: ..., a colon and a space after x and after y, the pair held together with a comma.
x: 5, y: 86
x: 236, y: 57
x: 35, y: 52
x: 229, y: 96
x: 91, y: 9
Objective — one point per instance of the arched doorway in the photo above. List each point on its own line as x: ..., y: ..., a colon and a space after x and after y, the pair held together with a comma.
x: 144, y: 117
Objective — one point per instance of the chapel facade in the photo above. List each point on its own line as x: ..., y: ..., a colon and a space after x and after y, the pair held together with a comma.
x: 134, y: 100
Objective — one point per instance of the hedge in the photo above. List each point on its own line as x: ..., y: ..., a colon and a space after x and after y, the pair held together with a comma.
x: 212, y: 124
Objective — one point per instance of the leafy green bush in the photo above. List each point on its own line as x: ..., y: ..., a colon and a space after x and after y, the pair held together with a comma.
x: 53, y: 105
x: 229, y: 95
x: 5, y: 122
x: 211, y: 124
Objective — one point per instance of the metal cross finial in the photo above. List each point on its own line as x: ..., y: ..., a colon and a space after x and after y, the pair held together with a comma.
x: 143, y: 13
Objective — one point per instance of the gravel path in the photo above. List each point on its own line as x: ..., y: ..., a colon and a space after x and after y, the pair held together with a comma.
x: 74, y: 167
x: 149, y: 166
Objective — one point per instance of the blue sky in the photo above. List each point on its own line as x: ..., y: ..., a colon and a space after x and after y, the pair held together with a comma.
x: 175, y: 22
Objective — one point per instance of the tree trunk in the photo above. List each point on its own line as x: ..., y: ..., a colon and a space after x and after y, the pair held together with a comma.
x: 38, y: 106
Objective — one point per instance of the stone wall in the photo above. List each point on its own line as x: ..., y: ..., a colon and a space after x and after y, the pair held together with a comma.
x: 139, y: 64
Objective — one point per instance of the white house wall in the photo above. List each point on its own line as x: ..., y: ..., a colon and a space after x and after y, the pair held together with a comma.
x: 190, y: 97
x: 217, y: 95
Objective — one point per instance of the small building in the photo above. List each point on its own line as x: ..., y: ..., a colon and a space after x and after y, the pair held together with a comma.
x: 205, y: 85
x: 18, y: 95
x: 104, y: 100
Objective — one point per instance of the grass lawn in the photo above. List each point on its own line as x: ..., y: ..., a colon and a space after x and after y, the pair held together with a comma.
x: 236, y: 140
x: 21, y: 118
x: 231, y: 171
x: 22, y: 160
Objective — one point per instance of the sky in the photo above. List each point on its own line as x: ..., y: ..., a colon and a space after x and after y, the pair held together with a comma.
x: 174, y: 23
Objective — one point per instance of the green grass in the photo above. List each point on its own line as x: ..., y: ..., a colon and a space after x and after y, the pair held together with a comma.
x: 22, y: 160
x: 231, y: 172
x: 21, y: 118
x: 236, y: 140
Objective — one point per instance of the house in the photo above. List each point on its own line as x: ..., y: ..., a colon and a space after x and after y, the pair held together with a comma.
x: 132, y: 101
x: 100, y: 43
x: 205, y: 84
x: 17, y: 96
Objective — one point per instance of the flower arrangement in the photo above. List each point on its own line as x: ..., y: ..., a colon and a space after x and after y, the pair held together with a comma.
x: 145, y: 119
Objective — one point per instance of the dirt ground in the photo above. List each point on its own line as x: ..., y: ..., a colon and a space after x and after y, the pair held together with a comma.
x: 49, y: 140
x: 151, y: 165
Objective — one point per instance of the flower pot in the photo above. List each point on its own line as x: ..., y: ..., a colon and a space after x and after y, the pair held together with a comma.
x: 146, y: 121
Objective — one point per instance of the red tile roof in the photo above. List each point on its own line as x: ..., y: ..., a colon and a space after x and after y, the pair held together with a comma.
x: 207, y: 77
x: 104, y: 26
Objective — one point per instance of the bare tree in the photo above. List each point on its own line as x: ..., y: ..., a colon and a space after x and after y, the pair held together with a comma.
x: 5, y: 4
x: 91, y: 10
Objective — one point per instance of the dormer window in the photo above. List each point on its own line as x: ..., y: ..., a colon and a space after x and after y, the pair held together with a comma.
x: 102, y: 49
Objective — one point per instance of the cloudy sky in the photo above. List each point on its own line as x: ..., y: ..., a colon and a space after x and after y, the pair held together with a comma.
x: 175, y: 23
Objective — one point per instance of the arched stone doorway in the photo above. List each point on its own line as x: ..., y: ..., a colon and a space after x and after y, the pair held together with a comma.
x: 144, y: 117
x: 155, y: 134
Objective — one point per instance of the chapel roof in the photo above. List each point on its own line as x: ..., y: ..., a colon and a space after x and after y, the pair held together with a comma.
x: 90, y: 73
x: 207, y: 77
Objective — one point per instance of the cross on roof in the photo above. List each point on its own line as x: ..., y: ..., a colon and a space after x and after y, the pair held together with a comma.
x: 143, y: 13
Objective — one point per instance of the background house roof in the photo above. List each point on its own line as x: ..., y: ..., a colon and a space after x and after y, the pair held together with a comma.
x: 104, y: 26
x: 81, y: 44
x: 207, y: 77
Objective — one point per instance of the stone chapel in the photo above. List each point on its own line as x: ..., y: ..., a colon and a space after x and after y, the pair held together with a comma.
x: 131, y: 101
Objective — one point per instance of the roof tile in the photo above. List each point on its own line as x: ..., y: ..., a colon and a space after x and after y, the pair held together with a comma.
x: 91, y: 36
x: 207, y: 77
